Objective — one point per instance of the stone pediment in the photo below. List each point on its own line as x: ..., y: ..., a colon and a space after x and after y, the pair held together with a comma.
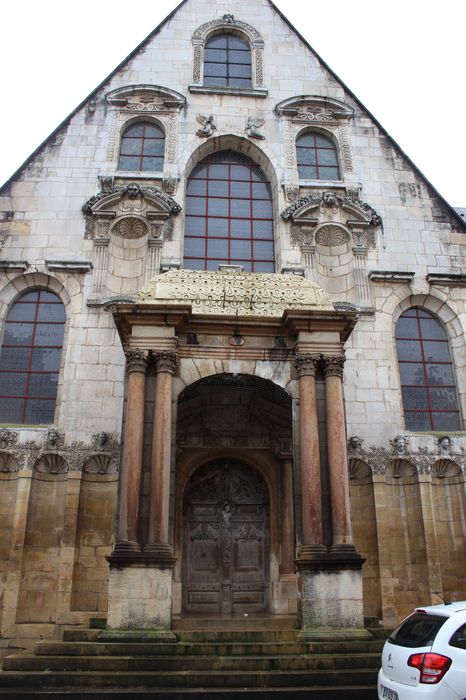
x: 234, y: 293
x: 146, y: 99
x: 129, y: 210
x: 314, y: 109
x: 332, y: 219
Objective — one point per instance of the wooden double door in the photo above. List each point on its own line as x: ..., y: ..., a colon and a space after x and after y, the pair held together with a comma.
x: 225, y: 540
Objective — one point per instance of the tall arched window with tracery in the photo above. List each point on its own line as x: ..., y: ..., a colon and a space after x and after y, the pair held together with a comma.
x: 227, y: 61
x: 427, y: 378
x: 229, y: 217
x: 30, y: 358
x: 317, y: 157
x: 142, y: 147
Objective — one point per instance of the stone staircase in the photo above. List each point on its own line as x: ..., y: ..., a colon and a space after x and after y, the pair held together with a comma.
x: 208, y: 659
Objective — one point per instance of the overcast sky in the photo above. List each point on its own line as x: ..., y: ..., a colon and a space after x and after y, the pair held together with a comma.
x: 404, y: 59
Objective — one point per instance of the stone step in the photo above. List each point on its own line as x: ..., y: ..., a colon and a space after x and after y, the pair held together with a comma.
x: 236, y: 622
x: 187, y: 679
x: 27, y: 663
x: 204, y: 649
x: 360, y: 692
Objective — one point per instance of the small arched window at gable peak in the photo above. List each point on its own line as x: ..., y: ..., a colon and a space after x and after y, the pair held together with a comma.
x: 227, y: 61
x: 30, y: 358
x: 427, y: 376
x: 317, y: 157
x: 142, y: 147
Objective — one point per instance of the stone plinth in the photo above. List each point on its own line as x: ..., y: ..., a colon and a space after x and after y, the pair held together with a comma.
x: 139, y: 598
x: 331, y: 600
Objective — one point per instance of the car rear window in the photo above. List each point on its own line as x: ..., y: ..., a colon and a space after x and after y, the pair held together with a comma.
x: 459, y: 638
x: 418, y: 630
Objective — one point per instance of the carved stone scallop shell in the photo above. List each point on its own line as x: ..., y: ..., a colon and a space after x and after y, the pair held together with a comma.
x: 399, y: 468
x: 51, y: 464
x: 8, y: 462
x: 358, y: 469
x: 443, y: 468
x: 99, y: 464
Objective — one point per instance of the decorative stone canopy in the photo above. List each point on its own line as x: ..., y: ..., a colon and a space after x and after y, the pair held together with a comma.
x: 235, y: 293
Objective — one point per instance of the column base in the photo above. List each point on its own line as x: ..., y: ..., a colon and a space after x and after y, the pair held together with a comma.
x: 331, y: 598
x: 139, y: 597
x: 311, y: 553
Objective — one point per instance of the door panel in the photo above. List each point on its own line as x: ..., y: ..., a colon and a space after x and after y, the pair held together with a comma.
x: 225, y: 540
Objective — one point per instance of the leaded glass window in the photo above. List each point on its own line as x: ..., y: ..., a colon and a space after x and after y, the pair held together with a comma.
x: 227, y: 62
x: 427, y: 380
x: 142, y: 147
x: 229, y: 215
x: 30, y: 358
x: 317, y: 157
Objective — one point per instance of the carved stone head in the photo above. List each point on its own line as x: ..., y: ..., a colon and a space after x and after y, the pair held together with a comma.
x: 355, y: 442
x: 400, y: 444
x: 445, y: 444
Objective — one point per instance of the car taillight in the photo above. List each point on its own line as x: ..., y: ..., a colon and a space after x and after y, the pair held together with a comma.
x: 433, y: 667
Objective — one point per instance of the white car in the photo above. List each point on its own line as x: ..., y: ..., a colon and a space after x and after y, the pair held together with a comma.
x: 425, y: 657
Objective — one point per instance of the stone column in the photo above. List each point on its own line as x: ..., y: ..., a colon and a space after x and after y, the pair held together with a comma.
x: 165, y: 364
x: 287, y: 519
x: 311, y: 494
x: 131, y: 463
x: 337, y: 455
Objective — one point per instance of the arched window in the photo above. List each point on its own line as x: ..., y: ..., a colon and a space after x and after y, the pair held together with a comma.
x: 317, y: 157
x: 30, y: 358
x: 227, y: 61
x: 142, y: 147
x: 427, y: 380
x: 228, y: 215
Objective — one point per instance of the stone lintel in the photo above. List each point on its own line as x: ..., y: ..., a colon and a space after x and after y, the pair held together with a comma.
x: 14, y: 265
x: 390, y: 276
x: 443, y: 279
x: 69, y: 265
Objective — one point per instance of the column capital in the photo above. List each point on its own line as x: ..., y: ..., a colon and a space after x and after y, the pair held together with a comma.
x: 164, y: 361
x: 306, y: 364
x: 333, y: 365
x: 136, y: 360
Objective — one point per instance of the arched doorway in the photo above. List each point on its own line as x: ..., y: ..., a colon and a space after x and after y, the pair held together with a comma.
x: 225, y: 540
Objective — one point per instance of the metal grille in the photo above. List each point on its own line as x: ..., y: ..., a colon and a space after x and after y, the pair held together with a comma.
x: 30, y: 358
x: 317, y: 157
x: 242, y: 382
x: 229, y: 215
x: 427, y: 381
x: 227, y: 62
x: 142, y: 148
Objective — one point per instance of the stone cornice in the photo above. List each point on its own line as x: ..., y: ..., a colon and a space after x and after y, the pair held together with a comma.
x: 446, y: 279
x: 361, y: 212
x: 107, y: 198
x: 391, y: 276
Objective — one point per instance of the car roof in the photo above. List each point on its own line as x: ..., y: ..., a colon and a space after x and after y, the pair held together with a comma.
x: 447, y: 609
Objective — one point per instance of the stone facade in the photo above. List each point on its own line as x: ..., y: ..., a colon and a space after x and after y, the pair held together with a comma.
x: 140, y: 355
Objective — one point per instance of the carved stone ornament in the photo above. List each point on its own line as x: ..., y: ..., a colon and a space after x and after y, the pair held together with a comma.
x: 234, y: 293
x: 8, y: 463
x: 314, y: 109
x: 444, y: 468
x: 333, y: 365
x: 127, y: 210
x: 334, y: 215
x: 400, y: 444
x: 291, y: 192
x: 136, y: 360
x: 169, y: 185
x: 445, y: 446
x: 306, y: 365
x: 358, y: 469
x: 208, y: 125
x: 130, y: 227
x: 100, y: 464
x: 51, y: 464
x: 54, y: 438
x: 164, y: 361
x: 253, y: 125
x: 355, y: 443
x: 8, y: 438
x: 146, y: 99
x: 102, y: 441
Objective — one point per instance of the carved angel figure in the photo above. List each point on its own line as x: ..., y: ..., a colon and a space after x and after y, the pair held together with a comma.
x: 208, y: 125
x: 252, y: 127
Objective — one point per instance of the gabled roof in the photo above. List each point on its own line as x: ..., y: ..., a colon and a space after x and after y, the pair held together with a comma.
x: 455, y: 213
